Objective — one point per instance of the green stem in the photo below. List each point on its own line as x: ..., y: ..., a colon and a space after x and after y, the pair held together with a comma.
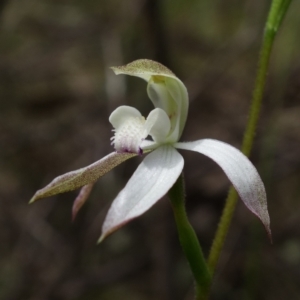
x: 222, y: 230
x: 189, y: 241
x: 275, y: 17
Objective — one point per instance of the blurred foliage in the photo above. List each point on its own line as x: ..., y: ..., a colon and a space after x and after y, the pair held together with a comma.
x: 56, y: 95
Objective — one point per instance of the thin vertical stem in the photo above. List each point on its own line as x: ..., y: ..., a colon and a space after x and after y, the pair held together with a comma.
x: 275, y: 17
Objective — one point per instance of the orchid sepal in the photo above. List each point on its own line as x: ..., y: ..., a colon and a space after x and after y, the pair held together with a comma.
x: 76, y: 179
x: 150, y: 182
x: 165, y: 90
x: 240, y: 171
x: 81, y: 198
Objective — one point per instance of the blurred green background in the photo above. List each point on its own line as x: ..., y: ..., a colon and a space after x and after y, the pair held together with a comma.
x: 57, y: 92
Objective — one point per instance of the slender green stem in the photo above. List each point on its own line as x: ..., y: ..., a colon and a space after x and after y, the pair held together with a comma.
x: 284, y: 5
x: 222, y: 230
x: 275, y: 17
x: 189, y: 241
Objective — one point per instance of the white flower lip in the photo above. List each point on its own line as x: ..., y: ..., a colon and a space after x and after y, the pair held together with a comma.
x: 129, y: 129
x: 161, y: 168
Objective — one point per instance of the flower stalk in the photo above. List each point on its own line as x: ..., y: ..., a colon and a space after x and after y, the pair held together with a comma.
x: 276, y: 14
x: 189, y: 241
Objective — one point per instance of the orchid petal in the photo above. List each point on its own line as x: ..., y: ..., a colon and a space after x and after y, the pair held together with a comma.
x: 121, y: 114
x: 158, y: 125
x: 81, y: 199
x: 75, y: 179
x: 240, y: 172
x: 164, y: 89
x: 179, y: 93
x: 171, y: 96
x: 151, y: 181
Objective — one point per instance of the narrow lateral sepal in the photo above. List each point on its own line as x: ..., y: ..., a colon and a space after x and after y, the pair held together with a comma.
x: 240, y: 171
x: 76, y: 179
x: 81, y: 199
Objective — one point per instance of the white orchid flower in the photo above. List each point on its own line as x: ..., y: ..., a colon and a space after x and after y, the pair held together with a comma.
x: 160, y: 169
